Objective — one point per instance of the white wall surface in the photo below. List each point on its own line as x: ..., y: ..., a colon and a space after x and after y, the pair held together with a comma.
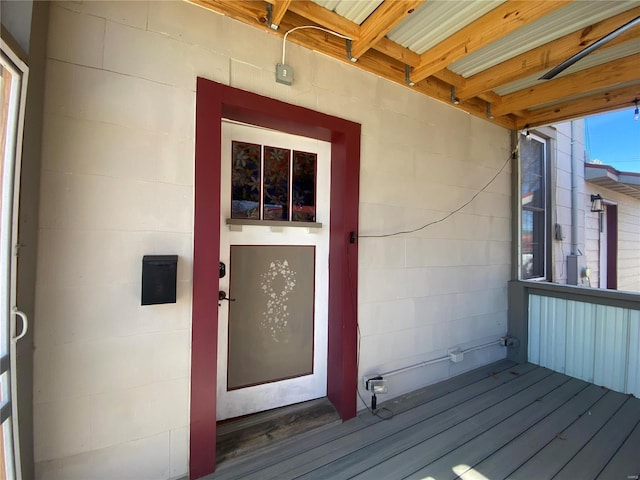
x: 628, y: 238
x: 112, y: 377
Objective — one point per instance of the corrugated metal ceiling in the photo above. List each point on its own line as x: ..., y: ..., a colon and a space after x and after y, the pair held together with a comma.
x: 596, y: 58
x: 573, y: 17
x: 434, y: 21
x: 437, y: 21
x: 356, y: 11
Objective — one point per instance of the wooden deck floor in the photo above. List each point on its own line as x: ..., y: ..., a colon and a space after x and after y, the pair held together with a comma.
x: 500, y: 421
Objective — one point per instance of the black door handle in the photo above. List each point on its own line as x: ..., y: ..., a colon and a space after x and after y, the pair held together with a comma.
x: 222, y: 295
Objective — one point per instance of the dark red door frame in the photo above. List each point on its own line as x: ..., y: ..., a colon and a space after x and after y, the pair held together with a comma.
x: 611, y: 217
x: 214, y: 102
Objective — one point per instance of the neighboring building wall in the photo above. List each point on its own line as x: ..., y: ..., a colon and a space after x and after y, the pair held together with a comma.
x: 628, y: 238
x: 588, y: 222
x: 561, y: 159
x: 112, y: 377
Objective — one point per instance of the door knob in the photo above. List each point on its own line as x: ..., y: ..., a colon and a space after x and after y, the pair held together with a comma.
x: 222, y: 295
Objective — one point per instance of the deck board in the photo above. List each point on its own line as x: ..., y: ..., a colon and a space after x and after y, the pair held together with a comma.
x: 419, y: 455
x: 483, y: 445
x: 626, y: 463
x: 414, y: 426
x: 412, y: 462
x: 508, y: 458
x: 565, y: 446
x: 594, y: 456
x: 271, y: 461
x: 500, y: 421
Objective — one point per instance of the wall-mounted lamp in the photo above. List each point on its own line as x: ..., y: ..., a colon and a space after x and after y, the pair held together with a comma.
x: 596, y: 203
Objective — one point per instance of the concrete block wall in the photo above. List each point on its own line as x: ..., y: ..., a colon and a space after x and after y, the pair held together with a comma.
x: 111, y: 388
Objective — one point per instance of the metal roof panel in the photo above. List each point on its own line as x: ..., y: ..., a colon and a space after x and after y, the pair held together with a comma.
x: 596, y: 58
x: 573, y: 17
x: 355, y: 10
x: 434, y: 21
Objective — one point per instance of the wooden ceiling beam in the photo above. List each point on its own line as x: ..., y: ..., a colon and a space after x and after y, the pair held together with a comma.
x: 373, y: 61
x: 583, y: 106
x: 380, y: 63
x: 451, y: 78
x: 440, y: 90
x: 547, y: 56
x: 278, y: 9
x: 607, y: 75
x: 499, y: 22
x: 397, y: 51
x: 325, y: 17
x: 388, y: 14
x: 328, y: 19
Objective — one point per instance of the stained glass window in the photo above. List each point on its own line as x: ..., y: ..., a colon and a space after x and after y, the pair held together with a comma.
x: 245, y: 180
x: 304, y: 187
x: 276, y: 183
x: 271, y: 183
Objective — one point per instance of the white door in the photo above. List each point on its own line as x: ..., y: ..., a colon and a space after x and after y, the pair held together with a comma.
x: 273, y: 318
x: 12, y: 96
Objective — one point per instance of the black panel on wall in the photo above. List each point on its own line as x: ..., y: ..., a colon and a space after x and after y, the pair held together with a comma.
x: 159, y: 274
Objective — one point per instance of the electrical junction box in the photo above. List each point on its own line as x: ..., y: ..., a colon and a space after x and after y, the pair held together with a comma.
x: 284, y: 74
x: 456, y: 355
x: 575, y: 266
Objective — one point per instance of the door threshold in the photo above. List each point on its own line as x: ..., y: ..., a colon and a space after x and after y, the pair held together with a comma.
x: 242, y: 435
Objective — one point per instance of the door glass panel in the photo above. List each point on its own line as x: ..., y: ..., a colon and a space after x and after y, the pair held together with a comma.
x: 245, y: 180
x: 532, y: 244
x: 276, y: 183
x: 304, y: 187
x: 532, y: 155
x: 534, y: 204
x: 271, y: 318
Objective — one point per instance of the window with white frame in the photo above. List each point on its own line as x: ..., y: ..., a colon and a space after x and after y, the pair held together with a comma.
x: 534, y: 208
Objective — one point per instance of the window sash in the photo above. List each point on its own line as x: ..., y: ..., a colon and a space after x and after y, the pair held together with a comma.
x: 533, y: 208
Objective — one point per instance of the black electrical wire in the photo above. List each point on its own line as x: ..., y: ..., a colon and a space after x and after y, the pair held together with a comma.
x: 450, y: 214
x: 377, y: 411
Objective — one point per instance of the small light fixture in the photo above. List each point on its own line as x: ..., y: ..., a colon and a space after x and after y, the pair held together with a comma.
x: 636, y: 112
x: 527, y: 133
x: 596, y: 203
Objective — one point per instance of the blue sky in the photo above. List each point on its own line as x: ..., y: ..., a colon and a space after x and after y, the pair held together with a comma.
x: 614, y: 138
